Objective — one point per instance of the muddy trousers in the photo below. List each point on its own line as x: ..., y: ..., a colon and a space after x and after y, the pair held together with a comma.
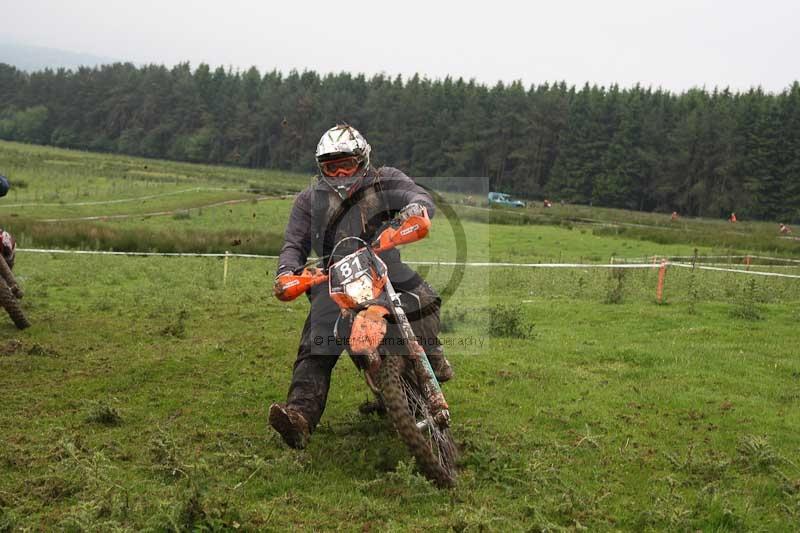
x: 320, y: 350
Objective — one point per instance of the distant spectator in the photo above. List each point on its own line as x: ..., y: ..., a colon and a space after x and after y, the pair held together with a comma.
x: 732, y: 218
x: 4, y: 186
x: 674, y: 216
x: 785, y: 230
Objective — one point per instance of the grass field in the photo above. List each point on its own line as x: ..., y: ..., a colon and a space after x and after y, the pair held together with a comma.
x: 138, y: 399
x: 92, y: 201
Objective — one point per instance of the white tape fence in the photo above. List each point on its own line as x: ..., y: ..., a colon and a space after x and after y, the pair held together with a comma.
x: 648, y: 265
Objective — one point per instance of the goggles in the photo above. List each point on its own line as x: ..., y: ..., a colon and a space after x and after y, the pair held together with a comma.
x: 343, y: 167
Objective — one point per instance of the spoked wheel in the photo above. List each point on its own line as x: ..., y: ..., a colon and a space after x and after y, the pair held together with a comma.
x: 9, y: 302
x: 430, y: 444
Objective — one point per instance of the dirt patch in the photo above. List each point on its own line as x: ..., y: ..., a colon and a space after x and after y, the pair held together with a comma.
x: 39, y: 350
x: 17, y: 347
x: 11, y: 347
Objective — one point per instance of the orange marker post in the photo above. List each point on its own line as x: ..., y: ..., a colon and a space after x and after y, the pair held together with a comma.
x: 662, y: 273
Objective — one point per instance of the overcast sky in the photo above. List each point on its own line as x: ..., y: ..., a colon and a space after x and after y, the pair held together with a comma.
x: 674, y: 44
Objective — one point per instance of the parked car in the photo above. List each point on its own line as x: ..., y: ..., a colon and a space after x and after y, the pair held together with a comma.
x: 500, y: 198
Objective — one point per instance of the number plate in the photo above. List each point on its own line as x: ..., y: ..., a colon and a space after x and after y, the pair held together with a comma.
x: 349, y: 268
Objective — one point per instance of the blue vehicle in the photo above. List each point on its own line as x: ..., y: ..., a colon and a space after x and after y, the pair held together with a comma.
x: 500, y: 198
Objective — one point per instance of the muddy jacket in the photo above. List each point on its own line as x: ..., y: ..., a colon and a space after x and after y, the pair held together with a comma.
x: 320, y: 218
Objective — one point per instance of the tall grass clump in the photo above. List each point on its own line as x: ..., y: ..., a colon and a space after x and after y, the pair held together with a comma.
x: 509, y: 321
x: 616, y: 286
x: 746, y: 303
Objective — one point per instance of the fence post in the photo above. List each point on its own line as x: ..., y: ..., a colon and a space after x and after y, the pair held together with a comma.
x: 662, y: 273
x: 747, y: 262
x: 225, y: 269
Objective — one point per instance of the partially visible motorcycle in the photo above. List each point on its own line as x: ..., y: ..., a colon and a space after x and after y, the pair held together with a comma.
x: 383, y: 344
x: 10, y: 293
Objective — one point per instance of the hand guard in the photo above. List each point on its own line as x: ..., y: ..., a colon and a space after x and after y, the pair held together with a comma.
x: 279, y: 282
x: 276, y: 287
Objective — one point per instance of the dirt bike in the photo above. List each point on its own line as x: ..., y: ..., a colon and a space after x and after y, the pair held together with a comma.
x: 10, y: 293
x: 395, y: 366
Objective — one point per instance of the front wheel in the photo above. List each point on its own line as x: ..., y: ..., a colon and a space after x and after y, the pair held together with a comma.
x: 431, y: 445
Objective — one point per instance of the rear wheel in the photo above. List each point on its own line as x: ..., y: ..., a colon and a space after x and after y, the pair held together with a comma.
x: 6, y: 274
x: 9, y: 302
x: 431, y: 445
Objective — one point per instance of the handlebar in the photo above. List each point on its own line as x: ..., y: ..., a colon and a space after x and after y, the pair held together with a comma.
x: 412, y: 229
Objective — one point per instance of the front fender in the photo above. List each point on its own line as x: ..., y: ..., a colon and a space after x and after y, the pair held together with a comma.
x: 369, y: 329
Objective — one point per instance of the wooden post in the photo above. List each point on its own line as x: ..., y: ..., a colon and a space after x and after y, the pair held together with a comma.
x: 225, y: 269
x: 662, y: 273
x: 747, y: 262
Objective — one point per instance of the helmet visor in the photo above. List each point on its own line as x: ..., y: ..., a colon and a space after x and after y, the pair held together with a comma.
x: 343, y: 167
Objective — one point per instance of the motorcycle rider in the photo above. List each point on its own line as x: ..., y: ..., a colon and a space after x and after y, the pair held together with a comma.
x: 350, y: 198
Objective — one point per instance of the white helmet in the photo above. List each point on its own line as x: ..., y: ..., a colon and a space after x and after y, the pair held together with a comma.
x: 339, y: 143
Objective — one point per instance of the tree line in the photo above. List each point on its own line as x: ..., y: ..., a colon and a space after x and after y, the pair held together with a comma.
x: 701, y: 153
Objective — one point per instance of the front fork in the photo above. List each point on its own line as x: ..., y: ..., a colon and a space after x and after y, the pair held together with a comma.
x: 366, y: 357
x: 422, y: 367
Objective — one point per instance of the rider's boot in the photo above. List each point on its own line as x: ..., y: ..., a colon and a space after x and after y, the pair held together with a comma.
x: 441, y: 366
x: 291, y: 425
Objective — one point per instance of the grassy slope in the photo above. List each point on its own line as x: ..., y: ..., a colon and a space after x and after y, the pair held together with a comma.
x: 56, y: 176
x: 66, y: 185
x: 63, y: 184
x: 138, y: 398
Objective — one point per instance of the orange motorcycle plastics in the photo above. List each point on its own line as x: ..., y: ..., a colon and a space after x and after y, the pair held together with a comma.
x: 357, y: 279
x: 368, y: 330
x: 411, y: 230
x: 293, y: 285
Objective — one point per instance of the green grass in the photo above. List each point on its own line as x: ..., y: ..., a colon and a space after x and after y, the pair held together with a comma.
x: 653, y: 227
x: 152, y: 205
x: 62, y: 182
x: 138, y: 399
x: 54, y: 191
